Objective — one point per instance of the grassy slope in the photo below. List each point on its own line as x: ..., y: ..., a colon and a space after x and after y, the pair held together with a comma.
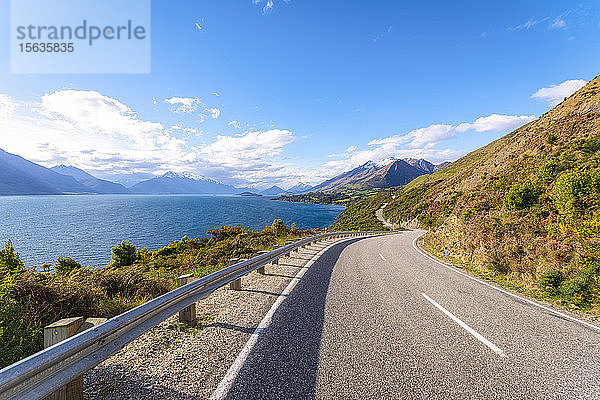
x: 523, y: 209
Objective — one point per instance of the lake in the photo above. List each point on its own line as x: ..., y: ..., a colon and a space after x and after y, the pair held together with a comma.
x: 84, y: 228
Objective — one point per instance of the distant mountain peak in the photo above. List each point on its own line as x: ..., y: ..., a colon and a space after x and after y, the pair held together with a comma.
x: 384, y: 162
x: 300, y: 187
x: 273, y: 191
x: 383, y: 173
x: 85, y: 178
x: 369, y: 165
x: 186, y: 175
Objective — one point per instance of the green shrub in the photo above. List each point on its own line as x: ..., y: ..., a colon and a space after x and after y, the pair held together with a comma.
x: 521, y: 197
x: 123, y: 254
x: 591, y: 146
x: 65, y: 265
x: 552, y: 138
x: 225, y: 232
x: 277, y: 227
x: 9, y: 259
x: 548, y: 172
x: 577, y: 288
x: 577, y: 191
x: 497, y: 264
x: 581, y: 288
x: 551, y: 280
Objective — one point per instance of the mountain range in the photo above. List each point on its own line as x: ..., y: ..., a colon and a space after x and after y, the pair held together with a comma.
x: 19, y: 176
x: 182, y: 183
x: 386, y: 174
x: 94, y: 184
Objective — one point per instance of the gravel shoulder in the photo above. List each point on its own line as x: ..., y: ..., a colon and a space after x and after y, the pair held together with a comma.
x: 174, y: 362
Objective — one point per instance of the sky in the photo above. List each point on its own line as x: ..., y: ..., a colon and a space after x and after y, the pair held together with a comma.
x: 263, y: 92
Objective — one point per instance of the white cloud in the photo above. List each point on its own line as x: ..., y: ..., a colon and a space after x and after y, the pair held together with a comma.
x: 527, y: 25
x: 213, y: 112
x: 107, y: 138
x: 184, y: 104
x: 93, y: 112
x: 188, y: 131
x: 554, y: 94
x: 419, y: 137
x: 235, y: 124
x: 248, y: 149
x: 496, y: 123
x: 7, y: 107
x: 269, y: 4
x: 558, y: 23
x: 94, y: 132
x: 422, y: 142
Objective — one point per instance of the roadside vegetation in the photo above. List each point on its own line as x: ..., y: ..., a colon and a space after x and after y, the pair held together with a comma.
x: 523, y: 211
x: 30, y: 300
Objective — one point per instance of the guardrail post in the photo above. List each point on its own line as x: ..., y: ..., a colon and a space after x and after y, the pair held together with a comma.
x: 55, y: 333
x: 261, y: 270
x: 188, y: 314
x: 275, y: 261
x: 62, y: 330
x: 237, y: 283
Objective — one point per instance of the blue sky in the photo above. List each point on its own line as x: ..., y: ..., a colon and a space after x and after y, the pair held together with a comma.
x: 260, y: 92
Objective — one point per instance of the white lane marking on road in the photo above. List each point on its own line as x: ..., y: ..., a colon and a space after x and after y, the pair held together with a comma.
x: 378, y: 244
x: 382, y: 257
x: 452, y: 268
x: 466, y: 327
x: 223, y: 389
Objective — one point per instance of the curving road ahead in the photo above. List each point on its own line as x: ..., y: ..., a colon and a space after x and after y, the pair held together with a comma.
x: 377, y: 319
x: 379, y: 215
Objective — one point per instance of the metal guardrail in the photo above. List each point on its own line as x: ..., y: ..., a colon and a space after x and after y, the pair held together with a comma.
x: 42, y: 373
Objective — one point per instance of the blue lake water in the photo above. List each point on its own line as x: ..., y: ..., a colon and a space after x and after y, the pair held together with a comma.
x: 43, y: 228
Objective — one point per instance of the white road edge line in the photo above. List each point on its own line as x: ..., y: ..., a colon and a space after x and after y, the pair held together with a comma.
x: 223, y: 389
x: 382, y: 257
x: 466, y: 327
x: 553, y: 311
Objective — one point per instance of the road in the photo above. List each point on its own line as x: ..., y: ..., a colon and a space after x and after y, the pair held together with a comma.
x: 376, y: 319
x: 379, y: 215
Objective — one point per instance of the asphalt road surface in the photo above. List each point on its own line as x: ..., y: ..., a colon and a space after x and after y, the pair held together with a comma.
x: 376, y: 319
x: 379, y: 215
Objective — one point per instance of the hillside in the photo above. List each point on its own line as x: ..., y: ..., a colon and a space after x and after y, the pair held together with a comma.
x: 19, y: 176
x: 97, y: 185
x: 525, y: 208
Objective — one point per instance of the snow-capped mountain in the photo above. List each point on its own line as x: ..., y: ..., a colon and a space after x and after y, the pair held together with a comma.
x: 182, y: 183
x: 299, y: 188
x: 382, y: 174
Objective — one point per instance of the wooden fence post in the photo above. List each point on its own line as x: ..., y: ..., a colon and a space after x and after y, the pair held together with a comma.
x: 188, y: 314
